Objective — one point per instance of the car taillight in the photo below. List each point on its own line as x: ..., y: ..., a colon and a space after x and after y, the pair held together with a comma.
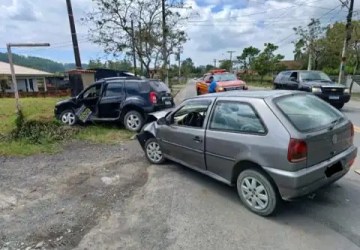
x: 153, y: 98
x: 297, y: 150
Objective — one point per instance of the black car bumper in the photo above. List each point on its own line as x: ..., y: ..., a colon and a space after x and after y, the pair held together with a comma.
x: 335, y: 98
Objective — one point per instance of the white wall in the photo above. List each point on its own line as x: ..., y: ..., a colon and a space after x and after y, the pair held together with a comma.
x: 22, y: 87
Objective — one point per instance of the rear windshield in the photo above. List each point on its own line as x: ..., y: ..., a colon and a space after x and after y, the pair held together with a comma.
x: 307, y: 112
x: 158, y: 86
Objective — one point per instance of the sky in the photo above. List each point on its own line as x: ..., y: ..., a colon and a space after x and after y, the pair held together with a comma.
x: 214, y: 27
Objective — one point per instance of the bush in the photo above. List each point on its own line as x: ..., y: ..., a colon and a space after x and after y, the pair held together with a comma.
x: 40, y: 132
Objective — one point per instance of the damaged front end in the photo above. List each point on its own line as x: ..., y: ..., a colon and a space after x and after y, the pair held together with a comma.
x: 150, y: 129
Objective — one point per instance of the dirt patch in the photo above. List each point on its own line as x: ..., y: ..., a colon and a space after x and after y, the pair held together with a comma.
x: 53, y: 201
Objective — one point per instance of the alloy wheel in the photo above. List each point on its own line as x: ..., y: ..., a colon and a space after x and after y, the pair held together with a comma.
x: 254, y: 193
x: 133, y: 122
x: 68, y: 118
x: 153, y: 152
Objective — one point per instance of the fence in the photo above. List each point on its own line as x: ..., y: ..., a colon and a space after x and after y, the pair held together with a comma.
x: 50, y: 93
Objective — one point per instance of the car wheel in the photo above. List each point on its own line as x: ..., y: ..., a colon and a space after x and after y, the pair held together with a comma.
x: 133, y: 121
x: 68, y: 117
x: 257, y: 193
x: 153, y: 151
x: 339, y: 105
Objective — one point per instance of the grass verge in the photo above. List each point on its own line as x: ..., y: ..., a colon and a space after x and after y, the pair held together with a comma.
x: 40, y: 134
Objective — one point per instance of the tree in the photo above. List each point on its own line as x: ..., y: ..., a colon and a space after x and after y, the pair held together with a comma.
x: 267, y: 62
x: 95, y: 64
x: 225, y: 64
x: 247, y: 57
x: 309, y: 42
x: 187, y: 67
x: 111, y: 22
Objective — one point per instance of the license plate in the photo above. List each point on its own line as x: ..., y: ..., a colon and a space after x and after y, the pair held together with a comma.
x: 167, y: 103
x: 334, y: 97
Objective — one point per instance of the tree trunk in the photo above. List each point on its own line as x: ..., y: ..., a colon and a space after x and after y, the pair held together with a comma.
x: 261, y: 79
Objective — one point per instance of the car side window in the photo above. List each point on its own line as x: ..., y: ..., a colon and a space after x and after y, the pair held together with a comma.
x: 92, y: 92
x: 294, y: 75
x: 114, y: 89
x: 132, y: 87
x: 286, y: 76
x: 236, y: 117
x: 192, y: 114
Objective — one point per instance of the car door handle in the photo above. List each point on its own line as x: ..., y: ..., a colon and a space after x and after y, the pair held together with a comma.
x: 197, y: 139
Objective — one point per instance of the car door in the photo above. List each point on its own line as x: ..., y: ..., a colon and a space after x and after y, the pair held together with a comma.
x: 284, y: 80
x: 293, y: 81
x: 110, y: 102
x: 233, y: 128
x: 183, y: 139
x: 87, y: 101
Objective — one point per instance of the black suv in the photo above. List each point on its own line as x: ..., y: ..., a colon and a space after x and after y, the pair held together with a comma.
x: 124, y: 99
x: 316, y: 82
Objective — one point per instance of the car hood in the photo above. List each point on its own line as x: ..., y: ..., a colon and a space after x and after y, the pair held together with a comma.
x: 70, y: 100
x: 231, y: 83
x: 323, y: 84
x: 160, y: 114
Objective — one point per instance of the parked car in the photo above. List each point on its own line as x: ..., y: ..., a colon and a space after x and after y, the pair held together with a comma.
x: 271, y: 145
x: 120, y: 99
x: 316, y: 82
x: 226, y: 81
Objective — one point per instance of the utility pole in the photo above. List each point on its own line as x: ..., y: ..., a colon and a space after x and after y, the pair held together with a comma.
x: 179, y: 59
x: 348, y: 31
x: 73, y: 35
x: 12, y: 68
x: 231, y: 53
x: 164, y: 33
x: 214, y: 63
x: 140, y: 45
x: 311, y: 26
x: 133, y: 42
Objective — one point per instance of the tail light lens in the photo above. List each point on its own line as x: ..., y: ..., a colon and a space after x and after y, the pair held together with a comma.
x: 153, y: 98
x: 297, y: 150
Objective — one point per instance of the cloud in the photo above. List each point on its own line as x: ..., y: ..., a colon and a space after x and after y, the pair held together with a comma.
x: 218, y: 26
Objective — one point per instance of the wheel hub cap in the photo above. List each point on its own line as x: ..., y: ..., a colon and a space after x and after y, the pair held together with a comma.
x: 153, y: 151
x: 254, y: 193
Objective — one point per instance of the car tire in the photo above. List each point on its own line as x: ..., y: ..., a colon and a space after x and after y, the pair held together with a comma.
x: 153, y: 151
x: 133, y: 121
x: 339, y: 105
x: 257, y: 193
x: 68, y: 117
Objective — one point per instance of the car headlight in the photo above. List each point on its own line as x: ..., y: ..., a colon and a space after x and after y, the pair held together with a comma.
x: 347, y: 91
x: 316, y: 90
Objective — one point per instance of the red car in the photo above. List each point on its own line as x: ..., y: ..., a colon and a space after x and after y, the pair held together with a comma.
x: 225, y: 80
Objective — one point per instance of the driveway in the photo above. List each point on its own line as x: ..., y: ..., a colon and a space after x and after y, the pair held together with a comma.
x: 109, y: 197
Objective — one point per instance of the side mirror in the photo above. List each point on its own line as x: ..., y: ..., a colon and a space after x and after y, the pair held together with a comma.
x: 168, y: 120
x: 164, y: 120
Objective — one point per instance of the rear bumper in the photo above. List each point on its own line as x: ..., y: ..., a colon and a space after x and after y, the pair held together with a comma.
x: 295, y: 184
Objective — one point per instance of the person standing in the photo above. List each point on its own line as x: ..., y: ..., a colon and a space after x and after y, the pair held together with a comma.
x: 212, y: 86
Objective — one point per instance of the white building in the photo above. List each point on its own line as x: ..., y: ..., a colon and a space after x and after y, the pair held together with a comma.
x: 28, y: 79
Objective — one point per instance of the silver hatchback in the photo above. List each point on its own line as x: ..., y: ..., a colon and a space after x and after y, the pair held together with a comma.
x: 271, y: 145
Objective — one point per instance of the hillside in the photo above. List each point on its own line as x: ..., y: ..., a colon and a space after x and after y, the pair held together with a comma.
x: 39, y: 63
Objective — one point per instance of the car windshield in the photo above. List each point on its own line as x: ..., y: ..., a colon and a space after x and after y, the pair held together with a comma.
x: 307, y: 112
x: 314, y: 76
x: 225, y: 77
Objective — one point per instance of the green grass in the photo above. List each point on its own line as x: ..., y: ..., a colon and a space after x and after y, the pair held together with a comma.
x: 104, y: 133
x: 41, y: 109
x: 355, y: 96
